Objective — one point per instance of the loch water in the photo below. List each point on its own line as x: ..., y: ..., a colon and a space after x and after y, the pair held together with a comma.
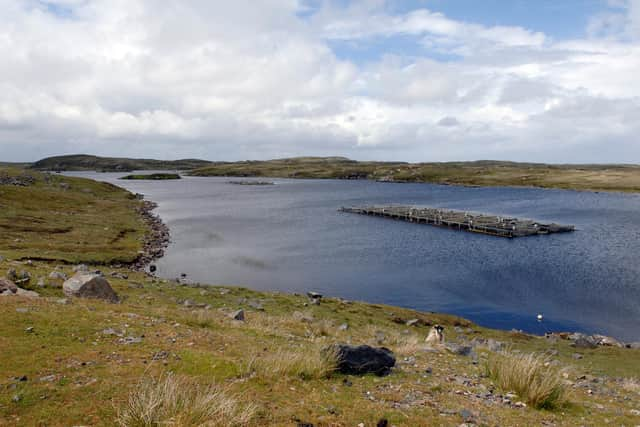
x: 291, y: 237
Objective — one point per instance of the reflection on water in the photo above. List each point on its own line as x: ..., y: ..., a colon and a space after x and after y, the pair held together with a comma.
x: 291, y: 237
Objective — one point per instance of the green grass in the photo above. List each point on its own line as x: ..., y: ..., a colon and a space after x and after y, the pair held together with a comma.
x: 269, y: 367
x: 69, y: 220
x: 480, y: 173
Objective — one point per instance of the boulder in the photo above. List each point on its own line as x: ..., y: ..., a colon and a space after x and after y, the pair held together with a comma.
x: 7, y: 286
x: 83, y: 285
x: 607, y: 341
x: 585, y: 342
x: 363, y: 359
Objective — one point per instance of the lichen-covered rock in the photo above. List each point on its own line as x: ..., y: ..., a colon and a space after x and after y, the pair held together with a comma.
x: 83, y: 285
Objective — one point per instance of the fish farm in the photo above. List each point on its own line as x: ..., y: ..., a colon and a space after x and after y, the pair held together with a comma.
x: 465, y: 221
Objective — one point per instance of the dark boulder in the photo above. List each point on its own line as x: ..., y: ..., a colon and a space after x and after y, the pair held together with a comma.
x: 363, y: 359
x: 89, y: 286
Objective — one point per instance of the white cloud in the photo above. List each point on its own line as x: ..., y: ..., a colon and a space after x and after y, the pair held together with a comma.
x: 245, y: 79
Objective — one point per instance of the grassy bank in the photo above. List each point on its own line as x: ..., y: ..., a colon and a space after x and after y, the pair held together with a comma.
x: 481, y: 173
x: 86, y: 362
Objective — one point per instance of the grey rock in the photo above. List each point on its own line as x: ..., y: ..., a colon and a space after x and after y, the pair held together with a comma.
x: 238, y: 315
x: 314, y: 295
x: 7, y: 285
x: 343, y: 327
x: 63, y: 301
x: 12, y: 274
x: 28, y: 294
x: 83, y: 285
x: 363, y: 359
x: 57, y: 275
x: 412, y: 322
x: 130, y: 340
x: 461, y: 350
x: 607, y: 341
x: 634, y: 345
x: 585, y: 342
x: 81, y: 268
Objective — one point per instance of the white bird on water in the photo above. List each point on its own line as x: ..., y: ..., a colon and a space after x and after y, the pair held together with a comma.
x: 539, y: 317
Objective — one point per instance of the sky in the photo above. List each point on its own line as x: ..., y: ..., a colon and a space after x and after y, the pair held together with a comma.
x: 412, y: 80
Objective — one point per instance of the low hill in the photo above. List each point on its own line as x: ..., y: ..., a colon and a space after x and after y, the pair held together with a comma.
x: 477, y: 173
x: 79, y: 162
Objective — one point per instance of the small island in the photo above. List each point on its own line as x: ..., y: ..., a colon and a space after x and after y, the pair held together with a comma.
x: 153, y: 176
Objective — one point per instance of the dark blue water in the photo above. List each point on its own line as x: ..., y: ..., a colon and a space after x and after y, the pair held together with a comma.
x: 291, y: 237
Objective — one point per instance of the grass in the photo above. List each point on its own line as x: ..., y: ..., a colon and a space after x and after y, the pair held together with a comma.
x: 530, y: 376
x: 481, y: 173
x: 70, y: 220
x: 190, y: 361
x: 170, y: 400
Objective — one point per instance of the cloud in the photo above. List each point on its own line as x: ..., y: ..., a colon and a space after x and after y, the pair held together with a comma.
x: 245, y: 79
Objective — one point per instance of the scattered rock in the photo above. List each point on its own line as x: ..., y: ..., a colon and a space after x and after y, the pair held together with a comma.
x: 160, y: 355
x: 130, y: 340
x: 63, y: 301
x: 577, y: 356
x: 461, y: 350
x: 363, y: 359
x: 58, y: 275
x: 413, y: 322
x: 41, y: 282
x: 585, y: 342
x: 238, y: 315
x: 343, y: 327
x: 383, y: 423
x: 82, y: 268
x: 83, y: 285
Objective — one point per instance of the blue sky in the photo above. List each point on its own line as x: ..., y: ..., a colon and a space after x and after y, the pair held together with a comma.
x: 417, y: 80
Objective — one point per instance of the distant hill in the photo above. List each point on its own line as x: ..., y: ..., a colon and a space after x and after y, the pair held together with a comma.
x: 80, y: 162
x: 477, y: 173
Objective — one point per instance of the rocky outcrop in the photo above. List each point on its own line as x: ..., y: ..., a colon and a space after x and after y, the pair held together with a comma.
x: 83, y: 285
x: 363, y: 359
x: 7, y: 286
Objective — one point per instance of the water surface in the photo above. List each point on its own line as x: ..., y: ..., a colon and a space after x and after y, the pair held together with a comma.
x: 291, y: 237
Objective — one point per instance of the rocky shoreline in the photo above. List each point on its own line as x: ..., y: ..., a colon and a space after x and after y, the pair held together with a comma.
x: 156, y: 240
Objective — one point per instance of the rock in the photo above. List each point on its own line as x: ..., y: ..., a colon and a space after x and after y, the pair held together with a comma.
x: 12, y: 274
x: 461, y: 350
x: 607, y: 341
x: 314, y: 295
x: 577, y: 356
x: 7, y: 285
x: 238, y: 315
x: 57, y: 275
x: 634, y: 345
x: 130, y: 340
x: 63, y: 301
x: 28, y: 294
x: 382, y: 423
x: 359, y: 360
x: 41, y: 282
x: 343, y: 327
x: 83, y: 285
x: 584, y: 342
x: 412, y: 322
x: 1, y: 258
x: 47, y: 379
x: 81, y: 268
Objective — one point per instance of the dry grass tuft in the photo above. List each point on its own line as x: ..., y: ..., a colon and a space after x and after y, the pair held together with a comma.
x: 307, y: 363
x: 527, y: 376
x: 174, y: 401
